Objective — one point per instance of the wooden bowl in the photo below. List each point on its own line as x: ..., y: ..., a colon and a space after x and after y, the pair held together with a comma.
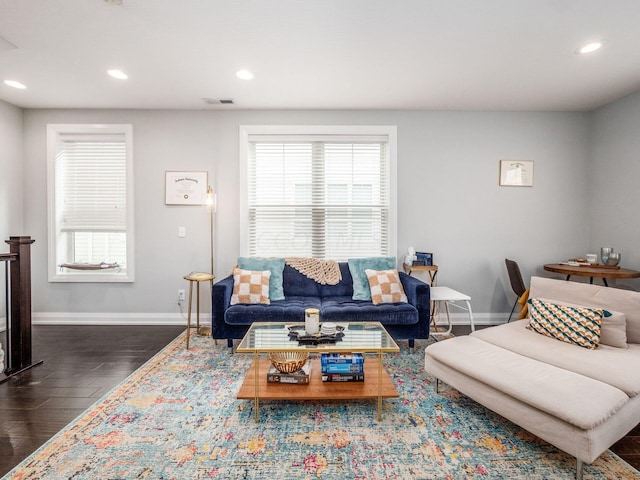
x: 288, y: 362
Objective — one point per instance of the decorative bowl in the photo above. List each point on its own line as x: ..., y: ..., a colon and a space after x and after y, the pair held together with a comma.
x: 613, y: 259
x: 288, y: 362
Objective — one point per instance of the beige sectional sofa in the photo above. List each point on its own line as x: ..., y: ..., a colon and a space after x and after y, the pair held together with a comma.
x: 580, y: 400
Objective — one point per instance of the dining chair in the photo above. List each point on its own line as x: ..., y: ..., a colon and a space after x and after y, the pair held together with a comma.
x: 517, y: 284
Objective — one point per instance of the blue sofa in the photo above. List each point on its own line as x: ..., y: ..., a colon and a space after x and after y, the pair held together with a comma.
x: 404, y: 321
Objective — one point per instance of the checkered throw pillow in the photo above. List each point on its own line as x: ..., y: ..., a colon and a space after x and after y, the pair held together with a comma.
x: 250, y: 286
x: 578, y: 325
x: 385, y: 286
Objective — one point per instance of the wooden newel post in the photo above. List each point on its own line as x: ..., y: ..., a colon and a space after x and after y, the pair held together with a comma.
x: 20, y: 325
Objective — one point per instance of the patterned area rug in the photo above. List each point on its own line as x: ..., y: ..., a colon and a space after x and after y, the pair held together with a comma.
x: 177, y: 417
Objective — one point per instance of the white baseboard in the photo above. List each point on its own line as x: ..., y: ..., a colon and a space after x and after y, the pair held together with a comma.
x: 86, y: 318
x: 478, y: 318
x: 67, y: 318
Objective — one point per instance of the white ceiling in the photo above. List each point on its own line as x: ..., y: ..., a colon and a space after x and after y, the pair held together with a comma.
x: 320, y: 54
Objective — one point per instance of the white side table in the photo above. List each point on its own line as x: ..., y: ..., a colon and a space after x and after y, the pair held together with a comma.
x: 449, y: 296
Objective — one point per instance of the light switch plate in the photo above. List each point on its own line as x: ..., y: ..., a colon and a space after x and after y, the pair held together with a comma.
x: 182, y: 232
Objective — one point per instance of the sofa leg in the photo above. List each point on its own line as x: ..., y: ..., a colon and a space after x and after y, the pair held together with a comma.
x: 412, y: 343
x: 437, y: 385
x: 579, y: 469
x: 230, y: 343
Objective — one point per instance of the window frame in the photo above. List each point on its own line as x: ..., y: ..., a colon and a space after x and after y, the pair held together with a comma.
x: 53, y: 229
x: 245, y: 131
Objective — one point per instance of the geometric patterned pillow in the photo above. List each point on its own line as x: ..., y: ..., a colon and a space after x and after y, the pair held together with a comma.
x: 250, y: 286
x: 385, y: 286
x: 578, y: 325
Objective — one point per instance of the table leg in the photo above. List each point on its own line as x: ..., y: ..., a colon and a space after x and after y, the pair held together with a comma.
x: 256, y: 403
x: 473, y: 327
x: 189, y: 313
x: 198, y: 311
x: 605, y: 282
x: 380, y: 386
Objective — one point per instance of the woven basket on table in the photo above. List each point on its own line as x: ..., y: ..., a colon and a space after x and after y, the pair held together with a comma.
x: 288, y: 362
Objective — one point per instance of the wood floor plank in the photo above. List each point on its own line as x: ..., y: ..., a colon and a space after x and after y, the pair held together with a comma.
x: 81, y: 364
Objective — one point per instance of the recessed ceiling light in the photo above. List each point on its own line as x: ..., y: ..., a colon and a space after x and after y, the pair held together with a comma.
x: 14, y: 84
x: 119, y: 74
x: 590, y: 47
x: 244, y: 74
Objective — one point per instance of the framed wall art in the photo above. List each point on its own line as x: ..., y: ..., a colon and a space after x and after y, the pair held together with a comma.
x: 185, y: 188
x: 516, y: 173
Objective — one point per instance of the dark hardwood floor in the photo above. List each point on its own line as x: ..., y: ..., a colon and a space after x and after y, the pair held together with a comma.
x: 81, y: 364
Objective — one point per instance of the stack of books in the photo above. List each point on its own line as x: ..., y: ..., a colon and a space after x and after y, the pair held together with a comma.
x: 342, y: 367
x: 300, y: 377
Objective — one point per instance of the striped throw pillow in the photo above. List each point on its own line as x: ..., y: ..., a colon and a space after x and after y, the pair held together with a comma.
x: 385, y: 286
x: 250, y: 286
x: 577, y: 325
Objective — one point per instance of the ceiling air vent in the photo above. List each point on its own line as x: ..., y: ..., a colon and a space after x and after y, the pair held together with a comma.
x: 218, y: 101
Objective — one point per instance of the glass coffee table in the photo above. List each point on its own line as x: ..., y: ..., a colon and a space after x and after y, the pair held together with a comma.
x: 359, y: 337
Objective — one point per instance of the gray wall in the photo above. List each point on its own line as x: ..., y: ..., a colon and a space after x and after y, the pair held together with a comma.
x: 449, y: 201
x: 11, y: 184
x: 614, y: 171
x: 11, y: 189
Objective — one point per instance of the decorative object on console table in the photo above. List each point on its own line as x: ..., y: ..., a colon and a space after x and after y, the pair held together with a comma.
x: 613, y: 259
x: 423, y: 258
x: 604, y: 254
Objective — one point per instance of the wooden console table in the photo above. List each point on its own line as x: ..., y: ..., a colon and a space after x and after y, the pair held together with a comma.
x: 591, y: 271
x: 431, y: 269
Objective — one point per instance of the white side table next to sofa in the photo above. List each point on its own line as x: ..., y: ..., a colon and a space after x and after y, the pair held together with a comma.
x: 449, y: 296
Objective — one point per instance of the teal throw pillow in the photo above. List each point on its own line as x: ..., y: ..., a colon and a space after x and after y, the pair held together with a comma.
x: 274, y: 265
x: 357, y: 267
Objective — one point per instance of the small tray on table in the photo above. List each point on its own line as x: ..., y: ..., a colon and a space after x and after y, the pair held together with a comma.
x: 297, y: 333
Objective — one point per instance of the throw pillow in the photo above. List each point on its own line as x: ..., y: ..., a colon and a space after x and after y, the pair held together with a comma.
x: 385, y: 286
x: 250, y: 286
x: 613, y: 331
x: 579, y: 326
x: 274, y: 265
x: 357, y: 267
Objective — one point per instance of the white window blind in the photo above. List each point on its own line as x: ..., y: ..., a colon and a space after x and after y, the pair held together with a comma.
x: 90, y: 203
x: 321, y: 196
x: 91, y: 176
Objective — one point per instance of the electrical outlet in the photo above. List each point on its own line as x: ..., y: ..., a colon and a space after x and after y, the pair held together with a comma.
x: 181, y: 296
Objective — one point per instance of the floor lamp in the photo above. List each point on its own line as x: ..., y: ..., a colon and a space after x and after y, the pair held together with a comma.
x: 212, y: 204
x: 197, y: 277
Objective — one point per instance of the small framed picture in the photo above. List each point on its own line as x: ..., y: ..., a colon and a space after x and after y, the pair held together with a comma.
x: 185, y: 188
x: 516, y: 173
x: 425, y: 258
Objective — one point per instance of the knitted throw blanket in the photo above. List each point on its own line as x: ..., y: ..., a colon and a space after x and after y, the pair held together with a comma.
x: 325, y: 272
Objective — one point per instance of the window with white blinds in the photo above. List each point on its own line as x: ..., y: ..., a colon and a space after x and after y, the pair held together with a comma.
x: 323, y: 195
x: 91, y: 176
x: 90, y: 193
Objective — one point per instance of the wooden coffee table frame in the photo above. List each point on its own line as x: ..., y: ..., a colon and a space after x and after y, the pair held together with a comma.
x: 377, y: 384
